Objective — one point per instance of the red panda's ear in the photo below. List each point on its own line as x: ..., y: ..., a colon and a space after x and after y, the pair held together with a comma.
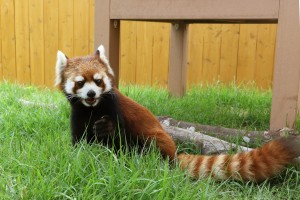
x: 101, y: 53
x: 61, y: 63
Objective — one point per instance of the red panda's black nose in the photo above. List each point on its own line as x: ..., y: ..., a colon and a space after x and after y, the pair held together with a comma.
x: 91, y: 94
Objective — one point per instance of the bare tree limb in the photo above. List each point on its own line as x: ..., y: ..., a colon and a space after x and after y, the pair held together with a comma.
x: 210, y: 145
x: 249, y: 137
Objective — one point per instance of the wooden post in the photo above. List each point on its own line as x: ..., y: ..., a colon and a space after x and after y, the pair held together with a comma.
x: 178, y: 58
x: 107, y: 32
x: 287, y: 66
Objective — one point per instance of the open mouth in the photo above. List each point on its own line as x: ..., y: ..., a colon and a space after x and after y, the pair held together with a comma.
x: 90, y: 101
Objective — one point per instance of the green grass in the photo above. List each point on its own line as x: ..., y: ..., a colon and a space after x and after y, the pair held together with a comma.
x: 230, y: 106
x: 37, y: 160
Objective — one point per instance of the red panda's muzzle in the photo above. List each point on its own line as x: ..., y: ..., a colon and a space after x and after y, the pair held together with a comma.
x: 90, y: 101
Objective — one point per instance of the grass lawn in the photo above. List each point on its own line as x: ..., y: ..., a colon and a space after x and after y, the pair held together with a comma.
x: 37, y: 160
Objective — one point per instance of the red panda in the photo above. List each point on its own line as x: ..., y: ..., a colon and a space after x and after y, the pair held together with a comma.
x: 98, y: 109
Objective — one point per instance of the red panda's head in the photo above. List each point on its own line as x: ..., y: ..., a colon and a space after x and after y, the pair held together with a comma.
x: 85, y: 78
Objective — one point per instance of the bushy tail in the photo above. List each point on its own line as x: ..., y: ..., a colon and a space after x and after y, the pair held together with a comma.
x: 256, y: 165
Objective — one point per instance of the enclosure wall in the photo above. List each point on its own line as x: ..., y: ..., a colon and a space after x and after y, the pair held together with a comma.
x: 31, y: 32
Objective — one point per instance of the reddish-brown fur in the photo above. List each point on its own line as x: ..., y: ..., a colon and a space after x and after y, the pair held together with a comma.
x: 256, y: 165
x: 145, y: 126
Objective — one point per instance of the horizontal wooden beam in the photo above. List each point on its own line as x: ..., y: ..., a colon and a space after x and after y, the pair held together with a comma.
x: 194, y: 9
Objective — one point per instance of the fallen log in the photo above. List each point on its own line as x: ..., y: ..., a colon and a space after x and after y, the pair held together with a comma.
x: 250, y: 138
x: 208, y: 144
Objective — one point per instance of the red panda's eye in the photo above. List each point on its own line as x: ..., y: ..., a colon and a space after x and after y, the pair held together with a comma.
x: 79, y: 84
x: 98, y: 81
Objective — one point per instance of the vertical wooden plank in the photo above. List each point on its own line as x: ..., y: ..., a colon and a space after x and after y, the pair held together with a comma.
x: 195, y: 54
x: 178, y: 59
x: 81, y: 27
x: 114, y: 48
x: 51, y: 39
x: 229, y: 52
x: 8, y: 40
x: 211, y: 52
x: 65, y: 27
x: 91, y: 26
x: 161, y: 45
x: 144, y: 53
x: 128, y: 52
x: 266, y: 38
x: 287, y: 70
x: 36, y: 20
x: 22, y: 41
x: 247, y: 53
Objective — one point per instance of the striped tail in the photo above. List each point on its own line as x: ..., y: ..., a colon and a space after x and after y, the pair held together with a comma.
x: 256, y: 165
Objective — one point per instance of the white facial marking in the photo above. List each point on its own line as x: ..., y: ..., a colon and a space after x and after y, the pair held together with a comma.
x: 97, y: 76
x: 69, y: 86
x: 104, y: 59
x: 61, y: 63
x: 107, y: 83
x: 78, y: 78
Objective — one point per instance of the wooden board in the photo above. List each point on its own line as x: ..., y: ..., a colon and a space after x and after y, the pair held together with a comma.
x: 92, y: 49
x: 81, y: 27
x: 8, y: 40
x: 211, y: 53
x: 204, y: 9
x: 247, y: 53
x: 287, y: 61
x: 22, y: 41
x: 195, y: 55
x: 144, y: 53
x: 65, y: 27
x: 128, y: 52
x: 36, y: 21
x: 50, y: 40
x: 266, y: 38
x: 229, y: 52
x: 161, y: 45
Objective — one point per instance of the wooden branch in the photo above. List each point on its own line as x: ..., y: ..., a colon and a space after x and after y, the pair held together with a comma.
x: 249, y: 137
x: 210, y: 145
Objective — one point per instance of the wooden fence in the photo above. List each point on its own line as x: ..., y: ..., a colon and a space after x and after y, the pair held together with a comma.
x: 217, y: 52
x: 31, y: 32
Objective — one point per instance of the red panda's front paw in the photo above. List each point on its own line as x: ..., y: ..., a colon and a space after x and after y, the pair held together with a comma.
x: 104, y: 127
